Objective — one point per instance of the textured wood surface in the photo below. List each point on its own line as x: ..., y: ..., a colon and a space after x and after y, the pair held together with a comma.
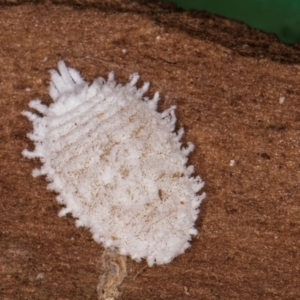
x: 226, y: 81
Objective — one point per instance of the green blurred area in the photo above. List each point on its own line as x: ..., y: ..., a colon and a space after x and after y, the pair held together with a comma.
x: 281, y: 17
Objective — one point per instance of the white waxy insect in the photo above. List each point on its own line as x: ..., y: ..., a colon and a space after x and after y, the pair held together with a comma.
x: 117, y: 165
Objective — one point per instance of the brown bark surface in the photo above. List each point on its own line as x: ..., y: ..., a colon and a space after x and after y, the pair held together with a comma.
x: 226, y: 81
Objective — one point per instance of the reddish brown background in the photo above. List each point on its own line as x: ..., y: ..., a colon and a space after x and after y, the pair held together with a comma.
x: 226, y: 80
